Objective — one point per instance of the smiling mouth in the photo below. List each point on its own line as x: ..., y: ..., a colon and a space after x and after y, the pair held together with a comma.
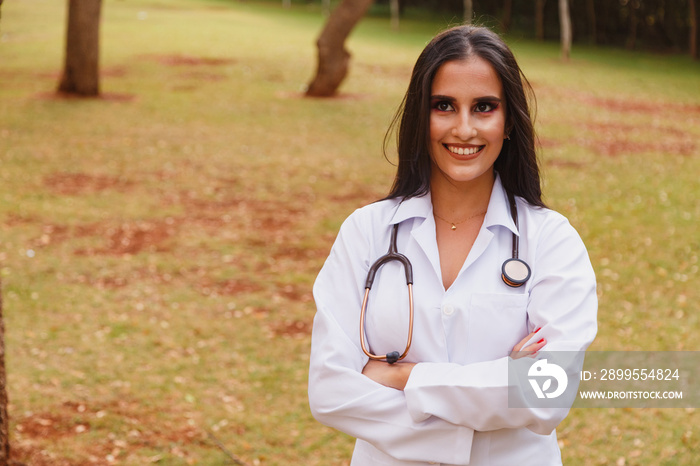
x: 463, y: 150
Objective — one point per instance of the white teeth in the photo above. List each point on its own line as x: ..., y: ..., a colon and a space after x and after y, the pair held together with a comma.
x: 464, y: 150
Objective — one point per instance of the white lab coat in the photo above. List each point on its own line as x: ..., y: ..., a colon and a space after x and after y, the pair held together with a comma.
x: 454, y: 409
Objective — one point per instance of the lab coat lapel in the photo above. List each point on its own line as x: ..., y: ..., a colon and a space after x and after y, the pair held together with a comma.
x: 480, y: 244
x: 498, y: 214
x: 420, y: 210
x: 425, y: 237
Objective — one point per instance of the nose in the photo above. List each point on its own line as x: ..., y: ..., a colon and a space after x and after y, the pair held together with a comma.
x: 464, y: 128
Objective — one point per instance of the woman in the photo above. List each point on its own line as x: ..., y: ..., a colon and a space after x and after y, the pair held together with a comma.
x: 465, y: 143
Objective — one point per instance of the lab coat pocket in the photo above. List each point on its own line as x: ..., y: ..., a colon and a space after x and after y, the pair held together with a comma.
x: 497, y: 322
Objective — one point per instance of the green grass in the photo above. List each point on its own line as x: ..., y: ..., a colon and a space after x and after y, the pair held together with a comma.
x: 158, y: 247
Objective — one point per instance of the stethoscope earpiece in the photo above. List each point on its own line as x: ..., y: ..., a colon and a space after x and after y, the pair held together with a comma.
x: 515, y: 272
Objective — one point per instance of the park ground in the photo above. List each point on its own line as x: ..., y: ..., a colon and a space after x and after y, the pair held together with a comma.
x: 158, y: 245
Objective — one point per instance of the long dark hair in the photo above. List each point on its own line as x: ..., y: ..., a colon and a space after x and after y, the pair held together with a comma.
x: 517, y: 162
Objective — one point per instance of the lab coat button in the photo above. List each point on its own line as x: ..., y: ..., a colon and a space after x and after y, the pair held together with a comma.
x: 448, y: 309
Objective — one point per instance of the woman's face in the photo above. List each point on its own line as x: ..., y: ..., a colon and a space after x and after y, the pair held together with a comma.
x: 467, y: 121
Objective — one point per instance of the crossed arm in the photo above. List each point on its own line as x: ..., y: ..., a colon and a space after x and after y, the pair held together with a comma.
x: 396, y: 375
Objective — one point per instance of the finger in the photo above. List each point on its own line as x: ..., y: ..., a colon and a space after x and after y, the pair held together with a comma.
x: 522, y: 342
x: 533, y: 348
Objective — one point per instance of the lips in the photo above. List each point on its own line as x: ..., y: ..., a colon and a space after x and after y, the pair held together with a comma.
x: 458, y: 150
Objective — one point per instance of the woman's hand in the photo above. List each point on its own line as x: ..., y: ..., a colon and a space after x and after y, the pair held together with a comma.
x: 396, y: 375
x: 390, y: 375
x: 530, y: 350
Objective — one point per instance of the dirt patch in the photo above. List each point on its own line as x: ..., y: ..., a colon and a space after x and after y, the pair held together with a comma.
x: 614, y: 139
x: 336, y: 96
x: 36, y: 433
x: 622, y: 105
x: 109, y: 280
x: 106, y: 96
x: 293, y: 329
x: 547, y: 143
x: 132, y: 237
x: 82, y: 183
x: 563, y: 163
x: 619, y: 147
x: 357, y: 195
x: 13, y: 219
x: 631, y: 106
x: 188, y: 60
x: 617, y: 129
x: 231, y: 287
x: 295, y: 292
x: 202, y: 76
x: 51, y: 234
x: 267, y: 221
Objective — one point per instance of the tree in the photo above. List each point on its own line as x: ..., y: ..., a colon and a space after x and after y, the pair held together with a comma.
x: 539, y: 19
x: 634, y: 21
x: 4, y: 418
x: 590, y: 11
x: 693, y: 45
x: 395, y: 11
x: 468, y: 11
x: 81, y: 69
x: 333, y: 58
x: 565, y: 29
x: 507, y: 14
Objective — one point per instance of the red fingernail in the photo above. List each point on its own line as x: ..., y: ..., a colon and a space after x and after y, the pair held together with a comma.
x: 540, y: 328
x: 540, y: 341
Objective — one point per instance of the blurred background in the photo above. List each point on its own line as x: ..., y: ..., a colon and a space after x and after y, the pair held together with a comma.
x: 163, y: 216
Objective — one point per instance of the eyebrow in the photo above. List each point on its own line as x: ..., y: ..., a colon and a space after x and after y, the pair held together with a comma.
x: 488, y: 98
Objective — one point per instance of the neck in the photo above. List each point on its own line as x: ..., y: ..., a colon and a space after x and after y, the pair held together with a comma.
x: 456, y: 201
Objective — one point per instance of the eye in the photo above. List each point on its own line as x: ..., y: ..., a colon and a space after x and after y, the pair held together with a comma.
x: 485, y: 107
x: 443, y: 106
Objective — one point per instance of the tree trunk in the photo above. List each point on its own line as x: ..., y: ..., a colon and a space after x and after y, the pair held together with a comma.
x: 590, y: 7
x: 565, y: 29
x: 81, y: 70
x: 333, y: 59
x: 395, y: 11
x: 468, y: 11
x: 693, y: 30
x: 4, y: 418
x: 539, y: 19
x: 507, y: 14
x: 632, y: 34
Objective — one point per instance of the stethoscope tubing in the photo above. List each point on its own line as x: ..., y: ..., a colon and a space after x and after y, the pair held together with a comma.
x: 391, y: 255
x: 515, y: 272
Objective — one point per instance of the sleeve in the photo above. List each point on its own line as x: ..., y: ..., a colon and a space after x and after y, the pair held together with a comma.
x: 562, y: 301
x: 340, y: 396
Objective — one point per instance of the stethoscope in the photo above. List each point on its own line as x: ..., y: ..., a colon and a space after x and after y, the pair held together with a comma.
x: 515, y: 273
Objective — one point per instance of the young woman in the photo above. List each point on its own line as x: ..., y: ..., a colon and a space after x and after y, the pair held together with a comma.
x: 466, y: 148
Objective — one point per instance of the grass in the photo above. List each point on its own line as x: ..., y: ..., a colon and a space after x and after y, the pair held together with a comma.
x: 158, y: 247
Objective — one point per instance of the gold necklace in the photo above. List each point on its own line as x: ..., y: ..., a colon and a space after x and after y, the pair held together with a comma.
x: 454, y: 224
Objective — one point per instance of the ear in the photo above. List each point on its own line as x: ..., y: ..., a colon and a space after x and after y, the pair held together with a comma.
x: 506, y: 131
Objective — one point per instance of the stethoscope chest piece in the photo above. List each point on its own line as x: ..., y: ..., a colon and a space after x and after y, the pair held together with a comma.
x: 515, y: 272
